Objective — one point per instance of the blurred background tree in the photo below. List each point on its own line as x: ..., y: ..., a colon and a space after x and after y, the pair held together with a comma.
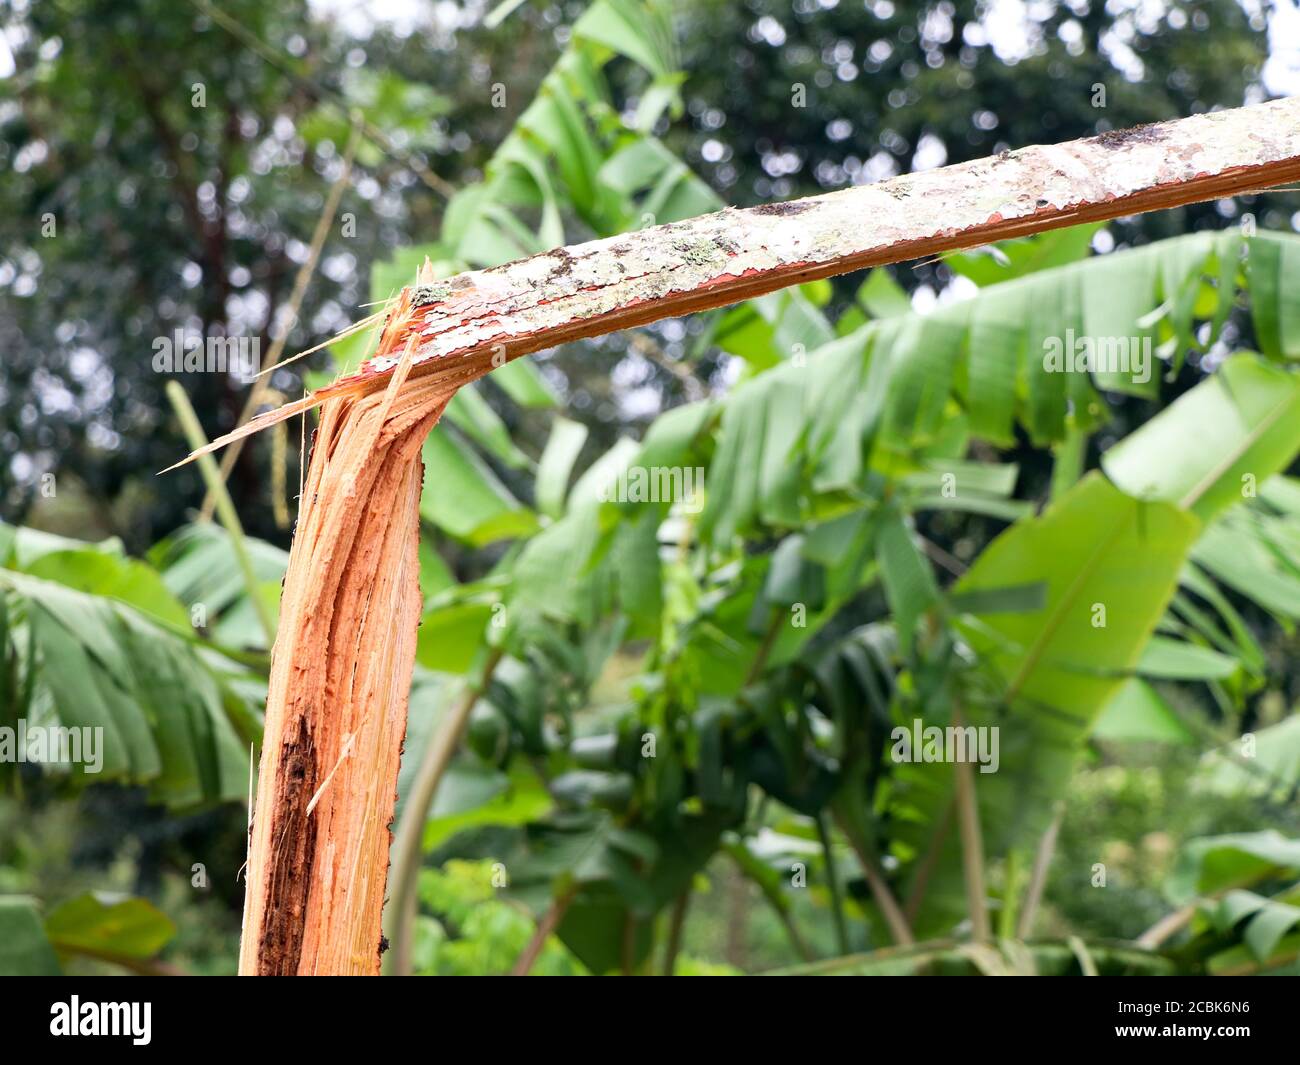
x: 163, y: 168
x: 165, y: 164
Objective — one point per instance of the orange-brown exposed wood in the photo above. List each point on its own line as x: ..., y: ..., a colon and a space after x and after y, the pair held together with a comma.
x: 340, y: 674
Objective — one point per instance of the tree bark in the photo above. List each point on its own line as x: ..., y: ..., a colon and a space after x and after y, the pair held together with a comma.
x: 469, y: 325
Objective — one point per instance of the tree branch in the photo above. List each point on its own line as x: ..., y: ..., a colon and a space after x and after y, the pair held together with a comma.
x: 473, y: 323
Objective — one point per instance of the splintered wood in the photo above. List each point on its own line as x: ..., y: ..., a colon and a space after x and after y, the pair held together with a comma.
x: 336, y: 709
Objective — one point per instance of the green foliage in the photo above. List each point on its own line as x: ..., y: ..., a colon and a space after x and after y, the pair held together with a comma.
x: 130, y: 929
x: 816, y: 470
x: 472, y: 932
x: 90, y: 641
x: 571, y: 154
x: 1218, y: 443
x: 1008, y: 958
x: 27, y: 950
x: 1052, y: 670
x: 123, y: 931
x: 1264, y: 763
x: 666, y: 681
x: 199, y: 568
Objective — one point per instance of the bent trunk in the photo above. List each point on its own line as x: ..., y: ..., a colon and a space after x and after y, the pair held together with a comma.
x: 336, y: 709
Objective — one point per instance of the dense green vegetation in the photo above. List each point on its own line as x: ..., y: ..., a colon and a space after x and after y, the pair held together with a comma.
x: 680, y: 705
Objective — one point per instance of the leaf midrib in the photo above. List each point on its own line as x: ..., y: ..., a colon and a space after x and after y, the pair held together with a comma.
x: 1039, y: 646
x: 1249, y: 440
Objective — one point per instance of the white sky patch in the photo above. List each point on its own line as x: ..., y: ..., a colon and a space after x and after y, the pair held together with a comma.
x: 924, y: 300
x: 1282, y: 71
x: 644, y: 402
x: 1114, y: 46
x: 930, y: 153
x: 358, y: 18
x: 6, y: 58
x: 768, y: 30
x: 1009, y: 30
x: 880, y: 166
x: 1013, y: 29
x: 958, y: 289
x: 728, y: 373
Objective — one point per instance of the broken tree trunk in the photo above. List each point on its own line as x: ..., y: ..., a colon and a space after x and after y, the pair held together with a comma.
x: 340, y: 675
x: 336, y: 708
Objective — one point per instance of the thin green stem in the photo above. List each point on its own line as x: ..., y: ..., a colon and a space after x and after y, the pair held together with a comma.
x: 933, y: 852
x: 746, y: 863
x: 1068, y: 458
x: 548, y: 924
x: 676, y: 923
x: 1038, y: 878
x: 225, y: 507
x: 833, y: 881
x: 972, y: 846
x: 1010, y: 891
x: 765, y: 648
x: 408, y: 846
x: 884, y: 898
